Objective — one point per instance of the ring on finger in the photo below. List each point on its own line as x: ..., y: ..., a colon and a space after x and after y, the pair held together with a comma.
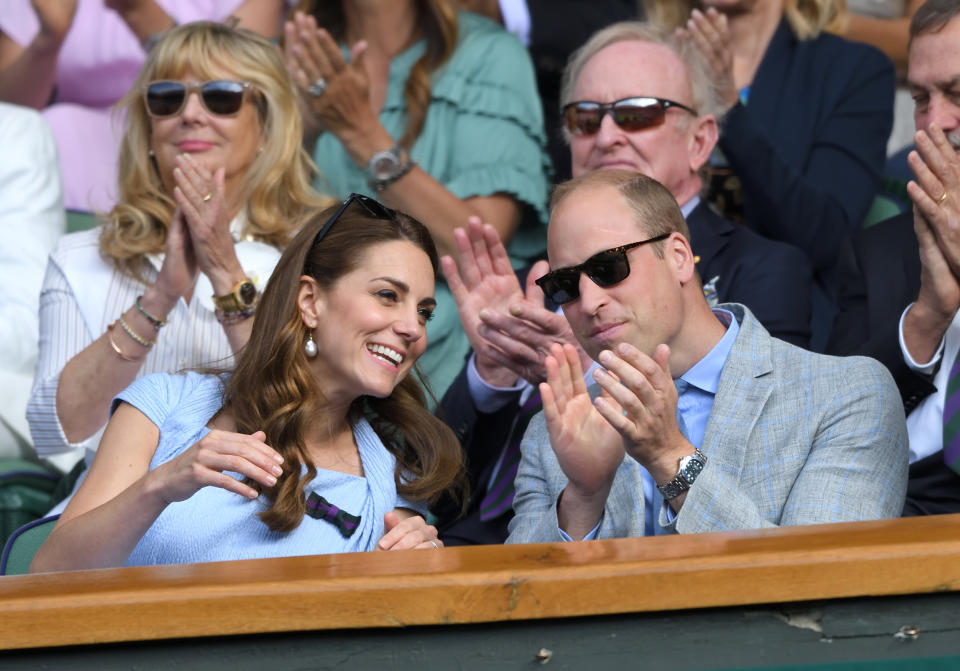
x: 207, y: 197
x: 942, y: 198
x: 434, y: 544
x: 317, y: 88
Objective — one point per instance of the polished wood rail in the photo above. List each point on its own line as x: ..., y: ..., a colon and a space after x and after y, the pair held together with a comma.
x: 482, y: 584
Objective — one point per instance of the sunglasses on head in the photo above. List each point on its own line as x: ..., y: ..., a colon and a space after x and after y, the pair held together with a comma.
x: 221, y: 97
x: 605, y: 268
x: 583, y: 117
x: 374, y: 208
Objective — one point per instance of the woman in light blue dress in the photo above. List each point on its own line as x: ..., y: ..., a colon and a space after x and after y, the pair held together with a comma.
x: 318, y: 442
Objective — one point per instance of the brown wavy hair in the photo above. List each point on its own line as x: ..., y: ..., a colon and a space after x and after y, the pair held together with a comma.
x: 436, y: 19
x: 277, y: 188
x: 274, y: 389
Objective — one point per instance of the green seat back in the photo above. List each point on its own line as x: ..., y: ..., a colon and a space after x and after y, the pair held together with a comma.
x: 23, y: 545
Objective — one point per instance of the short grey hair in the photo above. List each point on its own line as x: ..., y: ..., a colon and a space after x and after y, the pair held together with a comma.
x: 705, y: 93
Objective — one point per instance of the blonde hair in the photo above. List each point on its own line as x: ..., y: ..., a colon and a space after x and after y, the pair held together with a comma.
x: 807, y: 18
x: 703, y: 88
x: 277, y: 187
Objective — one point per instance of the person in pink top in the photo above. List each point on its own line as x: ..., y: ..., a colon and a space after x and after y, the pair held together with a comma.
x: 74, y: 59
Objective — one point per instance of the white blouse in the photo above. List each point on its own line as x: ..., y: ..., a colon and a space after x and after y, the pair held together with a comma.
x: 82, y: 294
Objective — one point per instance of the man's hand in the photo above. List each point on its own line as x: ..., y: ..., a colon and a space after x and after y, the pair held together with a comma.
x: 641, y: 404
x: 484, y: 281
x: 520, y: 340
x: 936, y: 197
x: 588, y: 449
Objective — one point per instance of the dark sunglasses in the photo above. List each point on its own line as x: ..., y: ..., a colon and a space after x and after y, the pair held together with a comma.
x: 583, y: 117
x: 605, y: 268
x: 221, y: 97
x: 374, y: 208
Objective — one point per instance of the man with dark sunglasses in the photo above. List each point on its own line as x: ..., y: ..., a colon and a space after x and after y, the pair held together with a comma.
x: 698, y: 419
x: 633, y: 98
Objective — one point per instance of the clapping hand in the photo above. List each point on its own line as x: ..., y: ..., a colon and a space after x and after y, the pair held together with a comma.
x: 588, y: 449
x: 484, y: 281
x: 710, y: 33
x: 337, y: 92
x: 640, y: 402
x: 199, y: 194
x: 55, y: 17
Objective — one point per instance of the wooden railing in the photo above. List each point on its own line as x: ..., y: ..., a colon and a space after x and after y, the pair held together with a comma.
x: 482, y: 584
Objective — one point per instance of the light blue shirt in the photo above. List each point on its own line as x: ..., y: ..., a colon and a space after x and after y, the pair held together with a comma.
x: 696, y: 390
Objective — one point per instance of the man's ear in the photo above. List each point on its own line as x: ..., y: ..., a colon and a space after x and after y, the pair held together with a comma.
x: 703, y: 138
x: 678, y: 249
x: 311, y: 301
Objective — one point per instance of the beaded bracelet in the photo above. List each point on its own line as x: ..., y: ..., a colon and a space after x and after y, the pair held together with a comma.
x: 234, y: 316
x: 134, y: 335
x: 157, y: 322
x: 115, y: 346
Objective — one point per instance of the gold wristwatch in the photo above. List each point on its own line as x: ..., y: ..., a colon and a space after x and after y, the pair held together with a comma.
x: 242, y: 297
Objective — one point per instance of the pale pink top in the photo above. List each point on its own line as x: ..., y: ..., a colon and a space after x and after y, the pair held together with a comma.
x: 99, y: 61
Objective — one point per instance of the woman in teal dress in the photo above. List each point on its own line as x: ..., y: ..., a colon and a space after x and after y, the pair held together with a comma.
x: 434, y: 110
x: 318, y: 442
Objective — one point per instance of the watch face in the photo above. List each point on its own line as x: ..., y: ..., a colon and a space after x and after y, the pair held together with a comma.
x: 384, y: 165
x: 690, y: 468
x: 247, y: 292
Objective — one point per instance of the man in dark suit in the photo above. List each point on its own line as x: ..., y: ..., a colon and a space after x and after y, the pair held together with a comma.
x: 663, y: 126
x: 903, y: 310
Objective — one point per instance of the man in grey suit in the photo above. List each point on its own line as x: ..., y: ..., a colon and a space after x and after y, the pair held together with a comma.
x: 700, y: 420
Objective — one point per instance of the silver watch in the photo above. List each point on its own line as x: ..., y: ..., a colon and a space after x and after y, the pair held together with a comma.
x: 384, y: 165
x: 689, y: 468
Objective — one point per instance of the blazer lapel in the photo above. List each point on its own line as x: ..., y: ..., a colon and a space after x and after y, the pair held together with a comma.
x: 744, y: 389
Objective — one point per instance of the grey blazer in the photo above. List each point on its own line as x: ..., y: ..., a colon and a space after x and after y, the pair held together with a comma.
x: 793, y: 438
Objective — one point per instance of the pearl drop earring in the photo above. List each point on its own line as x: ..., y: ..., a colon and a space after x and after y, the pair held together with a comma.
x: 310, y: 347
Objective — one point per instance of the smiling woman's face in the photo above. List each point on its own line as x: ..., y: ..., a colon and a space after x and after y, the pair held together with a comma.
x: 213, y: 140
x: 372, y: 324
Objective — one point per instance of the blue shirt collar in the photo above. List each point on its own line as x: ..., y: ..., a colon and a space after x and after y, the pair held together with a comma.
x: 689, y: 206
x: 705, y: 374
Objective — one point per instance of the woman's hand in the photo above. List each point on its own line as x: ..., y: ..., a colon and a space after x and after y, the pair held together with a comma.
x: 55, y: 18
x: 343, y: 107
x: 200, y: 195
x: 204, y: 463
x: 179, y: 270
x: 710, y: 33
x: 406, y: 531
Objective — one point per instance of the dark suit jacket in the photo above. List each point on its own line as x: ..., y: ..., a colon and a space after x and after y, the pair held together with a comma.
x: 809, y: 146
x: 883, y: 273
x: 773, y: 279
x: 482, y: 436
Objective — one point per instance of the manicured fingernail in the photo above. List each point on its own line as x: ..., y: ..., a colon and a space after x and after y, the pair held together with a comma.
x: 271, y: 480
x: 605, y: 356
x: 276, y: 470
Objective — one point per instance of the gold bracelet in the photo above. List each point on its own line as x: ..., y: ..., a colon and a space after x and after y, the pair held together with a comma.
x: 134, y: 335
x: 115, y: 346
x: 157, y: 322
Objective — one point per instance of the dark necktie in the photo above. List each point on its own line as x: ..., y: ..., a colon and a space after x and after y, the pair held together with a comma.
x: 951, y: 418
x: 321, y: 509
x: 499, y: 496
